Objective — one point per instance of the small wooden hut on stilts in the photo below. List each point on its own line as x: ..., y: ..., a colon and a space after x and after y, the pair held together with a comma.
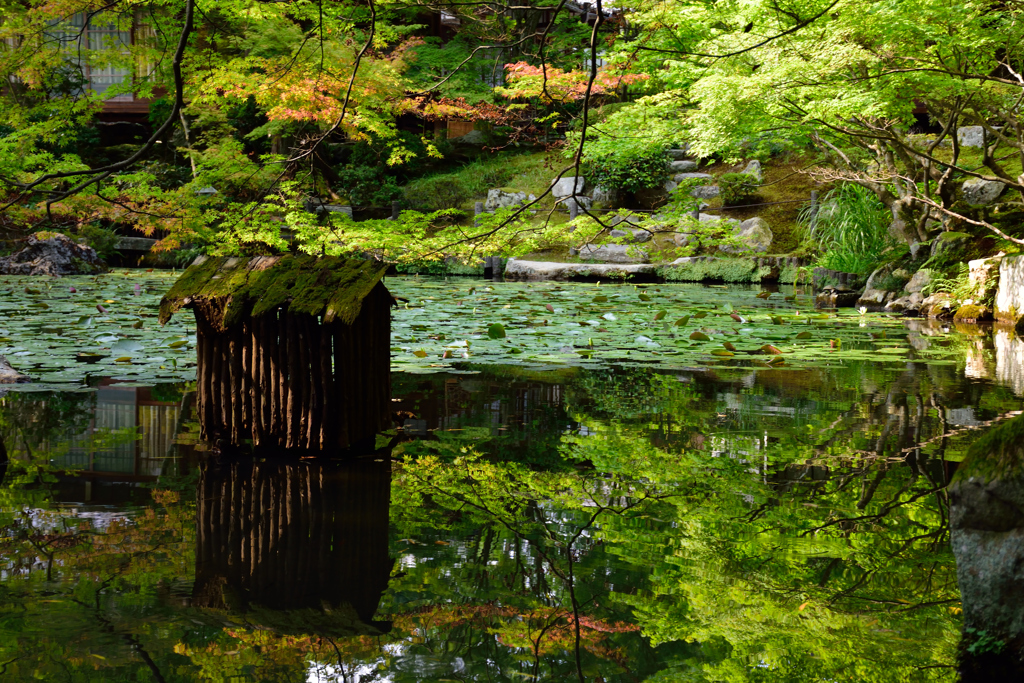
x: 293, y: 351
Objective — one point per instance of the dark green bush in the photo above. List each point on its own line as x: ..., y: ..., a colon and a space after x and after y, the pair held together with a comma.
x: 737, y: 188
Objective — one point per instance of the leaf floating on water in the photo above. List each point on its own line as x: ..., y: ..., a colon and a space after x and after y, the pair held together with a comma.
x: 100, y: 308
x: 496, y: 331
x: 722, y: 353
x: 699, y: 336
x: 738, y: 318
x: 31, y: 290
x: 549, y: 307
x: 701, y: 314
x: 660, y: 315
x: 644, y: 297
x: 682, y: 321
x: 729, y: 346
x: 764, y: 295
x: 178, y: 344
x: 768, y: 348
x: 776, y: 320
x: 600, y: 299
x: 804, y: 335
x: 419, y: 353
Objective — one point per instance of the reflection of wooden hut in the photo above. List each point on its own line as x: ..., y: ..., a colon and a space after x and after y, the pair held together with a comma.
x: 297, y: 546
x: 294, y: 351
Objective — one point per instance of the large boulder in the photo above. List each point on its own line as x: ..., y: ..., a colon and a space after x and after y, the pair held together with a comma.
x: 919, y: 281
x: 874, y: 298
x: 1010, y: 293
x: 754, y: 235
x: 983, y: 276
x: 502, y: 199
x: 754, y: 169
x: 971, y: 136
x: 949, y: 243
x: 564, y: 187
x: 981, y: 192
x: 680, y: 177
x: 9, y: 375
x: 679, y: 153
x: 51, y: 253
x: 986, y: 518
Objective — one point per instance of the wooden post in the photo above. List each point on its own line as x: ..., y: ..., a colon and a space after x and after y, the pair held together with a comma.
x: 396, y: 210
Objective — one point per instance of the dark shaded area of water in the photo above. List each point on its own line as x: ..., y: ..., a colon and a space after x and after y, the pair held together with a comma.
x: 579, y: 524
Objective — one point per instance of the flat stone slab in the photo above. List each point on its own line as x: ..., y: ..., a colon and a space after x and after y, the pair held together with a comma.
x: 516, y: 269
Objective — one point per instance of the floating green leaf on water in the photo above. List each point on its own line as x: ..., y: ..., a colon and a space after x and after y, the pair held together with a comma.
x: 697, y: 335
x: 496, y: 331
x: 682, y: 321
x: 804, y: 335
x: 660, y: 315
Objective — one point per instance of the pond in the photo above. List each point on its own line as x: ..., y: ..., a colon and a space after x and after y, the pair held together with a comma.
x: 576, y: 488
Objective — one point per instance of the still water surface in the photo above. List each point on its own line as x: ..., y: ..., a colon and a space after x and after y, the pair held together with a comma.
x: 710, y: 523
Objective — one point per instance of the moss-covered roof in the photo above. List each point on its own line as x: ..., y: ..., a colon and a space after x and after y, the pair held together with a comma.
x: 229, y: 289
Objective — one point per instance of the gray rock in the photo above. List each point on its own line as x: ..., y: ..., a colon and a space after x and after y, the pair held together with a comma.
x: 981, y: 192
x: 473, y: 137
x: 949, y: 242
x: 613, y: 253
x: 1010, y: 294
x: 987, y: 535
x: 579, y: 201
x: 904, y: 305
x: 641, y: 236
x: 728, y: 222
x: 541, y: 270
x: 500, y: 199
x: 52, y: 254
x: 705, y: 192
x: 603, y: 195
x: 971, y: 136
x: 919, y: 281
x: 321, y: 209
x: 874, y: 299
x: 670, y: 186
x: 680, y: 177
x: 754, y: 234
x: 983, y: 276
x: 684, y: 239
x: 754, y: 169
x: 9, y: 375
x: 678, y: 154
x: 563, y: 188
x: 937, y: 305
x: 683, y: 166
x: 835, y: 299
x: 635, y: 236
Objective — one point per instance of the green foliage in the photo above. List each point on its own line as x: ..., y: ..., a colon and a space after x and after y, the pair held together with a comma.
x: 852, y: 229
x: 628, y: 168
x: 737, y: 188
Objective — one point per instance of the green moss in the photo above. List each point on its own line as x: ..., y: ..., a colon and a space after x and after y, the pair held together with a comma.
x: 447, y: 267
x: 231, y: 288
x: 972, y: 313
x: 996, y: 454
x: 717, y: 269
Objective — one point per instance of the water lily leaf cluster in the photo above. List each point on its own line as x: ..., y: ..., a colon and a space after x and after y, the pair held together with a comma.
x: 447, y: 324
x: 61, y: 332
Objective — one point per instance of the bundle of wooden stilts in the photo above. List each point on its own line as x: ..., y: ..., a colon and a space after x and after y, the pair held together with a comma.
x: 287, y: 536
x: 293, y: 381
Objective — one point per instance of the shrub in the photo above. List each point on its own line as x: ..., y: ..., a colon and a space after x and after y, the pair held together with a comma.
x: 737, y: 187
x: 852, y: 229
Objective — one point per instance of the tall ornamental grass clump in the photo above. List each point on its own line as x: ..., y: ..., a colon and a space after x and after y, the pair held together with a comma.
x: 852, y: 229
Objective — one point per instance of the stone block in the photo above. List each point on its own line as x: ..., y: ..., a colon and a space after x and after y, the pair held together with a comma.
x: 1010, y: 292
x: 971, y: 136
x: 981, y: 192
x: 564, y: 187
x: 682, y: 166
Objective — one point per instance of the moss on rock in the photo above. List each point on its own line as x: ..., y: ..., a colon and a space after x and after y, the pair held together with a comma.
x: 996, y: 454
